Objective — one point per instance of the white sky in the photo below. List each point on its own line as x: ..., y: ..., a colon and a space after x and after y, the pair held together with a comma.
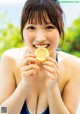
x: 10, y: 1
x: 71, y: 11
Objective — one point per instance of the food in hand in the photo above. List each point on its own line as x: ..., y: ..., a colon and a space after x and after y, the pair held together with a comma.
x: 41, y: 53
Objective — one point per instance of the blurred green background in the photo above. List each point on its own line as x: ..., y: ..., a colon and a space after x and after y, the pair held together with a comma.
x: 10, y: 37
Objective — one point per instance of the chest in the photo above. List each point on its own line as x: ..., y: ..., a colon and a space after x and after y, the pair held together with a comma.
x: 41, y: 77
x: 37, y: 99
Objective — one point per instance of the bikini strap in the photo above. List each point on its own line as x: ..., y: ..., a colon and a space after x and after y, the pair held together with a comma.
x: 57, y: 57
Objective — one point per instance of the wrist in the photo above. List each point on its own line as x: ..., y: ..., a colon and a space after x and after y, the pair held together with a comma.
x: 23, y: 87
x: 53, y: 88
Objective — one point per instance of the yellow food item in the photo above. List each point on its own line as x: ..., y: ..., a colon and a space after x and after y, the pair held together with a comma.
x: 41, y: 53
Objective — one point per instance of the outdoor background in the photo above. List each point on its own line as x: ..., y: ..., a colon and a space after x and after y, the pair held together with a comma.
x: 10, y: 37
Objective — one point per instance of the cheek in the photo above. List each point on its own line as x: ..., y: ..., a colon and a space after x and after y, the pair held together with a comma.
x: 26, y: 36
x: 55, y: 37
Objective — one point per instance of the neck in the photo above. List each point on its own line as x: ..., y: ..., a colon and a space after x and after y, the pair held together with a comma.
x: 53, y: 54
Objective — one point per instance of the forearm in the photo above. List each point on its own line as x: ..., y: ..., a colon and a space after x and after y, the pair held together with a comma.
x: 15, y: 102
x: 56, y: 104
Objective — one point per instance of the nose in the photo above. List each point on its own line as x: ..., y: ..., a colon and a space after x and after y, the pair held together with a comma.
x: 40, y: 36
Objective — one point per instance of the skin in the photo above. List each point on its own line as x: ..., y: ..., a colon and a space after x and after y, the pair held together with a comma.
x: 52, y: 84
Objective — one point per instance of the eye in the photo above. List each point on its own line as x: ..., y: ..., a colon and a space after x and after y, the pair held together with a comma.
x: 31, y: 27
x: 50, y: 27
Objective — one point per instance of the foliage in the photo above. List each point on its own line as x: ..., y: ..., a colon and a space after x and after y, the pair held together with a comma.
x: 76, y: 53
x: 9, y: 36
x: 72, y: 37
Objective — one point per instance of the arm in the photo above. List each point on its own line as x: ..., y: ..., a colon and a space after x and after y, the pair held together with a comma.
x: 71, y: 94
x: 56, y: 103
x: 10, y: 96
x: 67, y: 104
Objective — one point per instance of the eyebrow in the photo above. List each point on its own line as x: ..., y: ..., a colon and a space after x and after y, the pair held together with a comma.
x: 48, y: 23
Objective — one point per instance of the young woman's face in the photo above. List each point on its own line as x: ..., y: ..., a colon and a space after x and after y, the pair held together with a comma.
x: 41, y: 35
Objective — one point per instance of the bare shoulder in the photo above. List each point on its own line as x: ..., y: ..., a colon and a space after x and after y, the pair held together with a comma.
x: 71, y: 63
x: 70, y: 59
x: 71, y: 91
x: 8, y: 68
x: 14, y: 54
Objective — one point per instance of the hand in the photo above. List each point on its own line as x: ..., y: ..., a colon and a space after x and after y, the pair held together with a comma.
x: 52, y: 71
x: 29, y: 68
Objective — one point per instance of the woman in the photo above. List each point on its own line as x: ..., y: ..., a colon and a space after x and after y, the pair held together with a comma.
x: 28, y: 86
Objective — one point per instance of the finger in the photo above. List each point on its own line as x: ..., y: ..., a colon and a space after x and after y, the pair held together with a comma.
x: 29, y: 60
x: 32, y: 66
x: 51, y: 60
x: 29, y: 55
x: 28, y: 73
x: 51, y: 70
x: 48, y: 63
x: 50, y: 75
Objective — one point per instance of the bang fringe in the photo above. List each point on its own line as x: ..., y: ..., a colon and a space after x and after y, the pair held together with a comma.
x: 35, y: 17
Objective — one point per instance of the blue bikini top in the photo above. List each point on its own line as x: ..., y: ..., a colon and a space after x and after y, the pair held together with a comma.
x: 25, y: 109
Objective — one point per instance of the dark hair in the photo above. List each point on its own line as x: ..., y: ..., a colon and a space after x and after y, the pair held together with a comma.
x: 37, y: 9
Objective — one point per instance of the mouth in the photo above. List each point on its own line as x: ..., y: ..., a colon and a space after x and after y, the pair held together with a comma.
x: 41, y: 45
